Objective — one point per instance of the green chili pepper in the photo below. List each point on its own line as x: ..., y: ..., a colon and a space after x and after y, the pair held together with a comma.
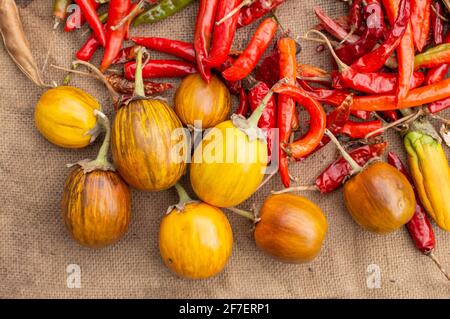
x: 161, y: 11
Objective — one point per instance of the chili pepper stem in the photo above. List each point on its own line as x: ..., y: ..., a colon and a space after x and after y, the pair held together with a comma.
x: 341, y: 65
x: 355, y: 166
x: 438, y: 264
x: 249, y: 215
x: 235, y: 11
x: 296, y: 189
x: 406, y: 119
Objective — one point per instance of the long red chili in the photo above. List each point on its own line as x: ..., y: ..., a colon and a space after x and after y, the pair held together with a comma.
x: 87, y: 51
x: 361, y: 129
x: 223, y: 34
x: 77, y: 19
x: 438, y: 73
x: 256, y: 10
x: 311, y: 140
x: 90, y: 13
x: 202, y: 36
x: 181, y: 49
x: 437, y: 24
x: 244, y: 105
x: 118, y: 10
x: 125, y: 55
x: 248, y: 60
x: 334, y: 28
x: 337, y: 172
x: 355, y: 16
x: 161, y: 69
x: 420, y: 18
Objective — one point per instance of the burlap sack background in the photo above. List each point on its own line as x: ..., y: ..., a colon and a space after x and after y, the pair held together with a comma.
x: 35, y: 248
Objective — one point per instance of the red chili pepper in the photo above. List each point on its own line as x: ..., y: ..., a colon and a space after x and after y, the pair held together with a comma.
x: 420, y: 17
x: 438, y: 73
x: 202, y: 37
x: 389, y: 116
x: 439, y: 106
x: 334, y: 28
x: 337, y: 172
x: 437, y: 24
x: 181, y: 49
x: 361, y: 129
x: 256, y: 10
x: 90, y: 13
x: 313, y: 73
x: 223, y: 34
x: 77, y: 19
x: 124, y: 86
x: 311, y: 140
x: 250, y: 57
x: 118, y: 10
x: 268, y: 120
x: 234, y: 86
x: 269, y: 69
x: 244, y: 104
x: 125, y: 55
x: 88, y: 49
x: 355, y: 16
x: 161, y: 69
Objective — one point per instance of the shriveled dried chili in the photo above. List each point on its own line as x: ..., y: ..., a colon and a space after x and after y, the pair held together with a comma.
x: 256, y: 10
x: 420, y: 18
x: 124, y: 86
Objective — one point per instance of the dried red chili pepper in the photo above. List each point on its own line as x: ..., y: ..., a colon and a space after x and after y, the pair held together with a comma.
x: 269, y: 69
x: 250, y: 57
x: 337, y: 172
x: 124, y: 86
x: 244, y: 104
x: 77, y: 19
x: 439, y: 106
x: 361, y: 129
x: 118, y: 10
x: 419, y: 227
x: 181, y: 49
x: 256, y: 10
x: 437, y: 24
x: 161, y: 69
x: 202, y: 36
x: 223, y: 34
x: 334, y: 28
x: 389, y: 116
x: 311, y: 140
x: 125, y: 55
x: 420, y: 17
x: 90, y: 13
x: 355, y: 16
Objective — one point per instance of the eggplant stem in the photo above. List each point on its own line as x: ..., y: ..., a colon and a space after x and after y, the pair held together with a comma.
x: 309, y: 188
x: 267, y: 180
x: 249, y: 215
x: 102, y: 156
x: 182, y: 195
x: 438, y: 264
x: 139, y: 81
x: 356, y: 168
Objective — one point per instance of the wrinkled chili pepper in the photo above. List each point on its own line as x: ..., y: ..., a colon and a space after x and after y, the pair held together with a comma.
x: 269, y: 69
x: 118, y: 10
x: 337, y: 172
x: 223, y: 34
x: 256, y: 10
x: 124, y: 86
x: 437, y: 24
x: 161, y: 69
x: 77, y: 19
x: 161, y: 11
x: 355, y: 16
x: 419, y: 227
x: 334, y: 28
x: 60, y: 9
x: 234, y: 86
x: 405, y: 52
x: 181, y: 49
x: 244, y: 106
x: 416, y: 97
x: 433, y: 57
x: 420, y: 17
x: 311, y: 140
x: 268, y: 120
x: 125, y: 55
x: 250, y: 57
x: 90, y: 13
x: 342, y: 21
x: 361, y: 129
x: 202, y: 36
x: 16, y: 43
x: 439, y: 106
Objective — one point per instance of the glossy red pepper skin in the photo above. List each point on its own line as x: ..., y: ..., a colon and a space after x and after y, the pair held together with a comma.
x: 161, y: 69
x: 437, y: 25
x: 248, y: 60
x: 389, y: 116
x: 268, y: 120
x: 420, y: 17
x: 90, y: 13
x: 337, y: 172
x: 76, y: 20
x: 87, y: 51
x: 223, y: 34
x: 118, y: 10
x: 419, y: 227
x: 307, y: 144
x: 244, y: 105
x: 361, y: 129
x: 333, y: 27
x: 256, y: 10
x: 202, y: 36
x: 181, y: 49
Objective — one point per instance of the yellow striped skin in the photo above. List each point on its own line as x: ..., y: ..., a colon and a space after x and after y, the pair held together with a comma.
x: 96, y: 207
x: 64, y: 115
x: 225, y: 181
x: 195, y: 100
x: 142, y: 145
x: 196, y: 242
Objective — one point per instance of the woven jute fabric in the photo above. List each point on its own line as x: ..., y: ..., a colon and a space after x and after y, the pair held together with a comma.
x: 35, y: 248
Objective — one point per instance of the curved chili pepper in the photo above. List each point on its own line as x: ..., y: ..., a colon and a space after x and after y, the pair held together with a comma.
x: 90, y: 13
x: 250, y: 57
x: 337, y: 172
x: 87, y: 51
x: 223, y: 34
x: 360, y: 129
x: 334, y: 28
x: 181, y: 49
x: 163, y: 10
x: 256, y: 10
x: 202, y: 36
x: 161, y: 69
x: 436, y: 22
x: 244, y: 106
x: 420, y: 17
x: 307, y: 144
x: 77, y: 19
x: 118, y: 10
x: 416, y: 97
x: 433, y: 57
